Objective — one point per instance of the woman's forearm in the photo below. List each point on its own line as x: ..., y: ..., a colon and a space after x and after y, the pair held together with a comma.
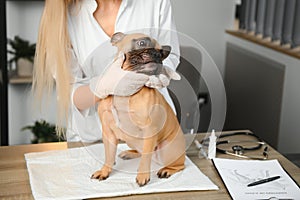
x: 83, y: 97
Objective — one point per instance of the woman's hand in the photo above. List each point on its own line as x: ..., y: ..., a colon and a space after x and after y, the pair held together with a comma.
x: 162, y: 80
x: 116, y: 81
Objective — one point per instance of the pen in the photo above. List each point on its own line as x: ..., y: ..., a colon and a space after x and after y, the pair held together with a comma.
x: 264, y: 181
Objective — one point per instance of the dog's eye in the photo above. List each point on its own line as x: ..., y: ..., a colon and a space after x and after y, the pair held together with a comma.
x: 141, y: 43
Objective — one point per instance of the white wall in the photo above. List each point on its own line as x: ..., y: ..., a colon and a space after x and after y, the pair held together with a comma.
x: 206, y: 21
x: 22, y: 19
x: 203, y: 20
x: 24, y: 111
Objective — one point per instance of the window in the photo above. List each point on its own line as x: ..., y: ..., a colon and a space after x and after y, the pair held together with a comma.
x: 272, y: 23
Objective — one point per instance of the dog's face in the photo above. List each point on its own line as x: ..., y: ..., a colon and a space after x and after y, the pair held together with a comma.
x: 143, y: 54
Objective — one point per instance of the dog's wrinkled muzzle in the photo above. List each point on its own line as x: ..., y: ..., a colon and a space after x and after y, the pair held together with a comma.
x: 147, y: 61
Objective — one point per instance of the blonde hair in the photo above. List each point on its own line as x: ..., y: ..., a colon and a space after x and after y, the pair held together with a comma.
x: 52, y: 59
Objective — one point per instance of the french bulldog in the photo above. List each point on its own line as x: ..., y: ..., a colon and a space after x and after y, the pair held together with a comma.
x: 144, y: 120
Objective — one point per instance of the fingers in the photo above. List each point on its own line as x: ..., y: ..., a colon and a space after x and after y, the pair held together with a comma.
x: 153, y: 82
x: 136, y: 77
x: 158, y: 82
x: 172, y: 74
x: 164, y: 80
x: 130, y: 83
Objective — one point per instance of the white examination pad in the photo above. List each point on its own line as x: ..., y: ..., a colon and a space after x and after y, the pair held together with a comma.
x: 65, y: 174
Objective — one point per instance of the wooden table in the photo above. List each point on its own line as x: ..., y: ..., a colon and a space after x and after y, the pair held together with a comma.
x: 14, y: 180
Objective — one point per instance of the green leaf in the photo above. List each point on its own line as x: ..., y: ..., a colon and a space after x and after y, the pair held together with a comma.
x: 21, y: 49
x: 43, y: 132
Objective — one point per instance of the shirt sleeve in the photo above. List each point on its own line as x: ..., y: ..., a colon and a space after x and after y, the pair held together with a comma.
x: 168, y: 34
x: 79, y: 79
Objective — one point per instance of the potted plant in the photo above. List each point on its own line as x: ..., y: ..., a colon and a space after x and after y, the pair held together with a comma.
x: 22, y: 52
x: 43, y: 132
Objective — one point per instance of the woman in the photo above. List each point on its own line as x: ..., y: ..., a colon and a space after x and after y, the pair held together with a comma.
x: 73, y: 47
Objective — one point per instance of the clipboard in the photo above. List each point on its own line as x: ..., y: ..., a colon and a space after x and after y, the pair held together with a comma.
x: 238, y: 174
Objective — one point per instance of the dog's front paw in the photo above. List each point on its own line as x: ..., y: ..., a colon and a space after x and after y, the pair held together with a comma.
x: 101, y: 174
x: 142, y: 178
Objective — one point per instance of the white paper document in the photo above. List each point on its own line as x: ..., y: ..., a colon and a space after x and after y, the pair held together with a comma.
x: 238, y: 174
x: 65, y: 174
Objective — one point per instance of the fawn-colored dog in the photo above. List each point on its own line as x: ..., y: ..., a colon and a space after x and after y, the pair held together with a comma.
x: 144, y: 120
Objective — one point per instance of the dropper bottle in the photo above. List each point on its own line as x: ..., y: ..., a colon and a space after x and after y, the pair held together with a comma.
x: 212, y: 145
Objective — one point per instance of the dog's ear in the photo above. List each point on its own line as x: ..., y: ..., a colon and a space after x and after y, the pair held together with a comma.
x: 165, y: 51
x: 117, y: 37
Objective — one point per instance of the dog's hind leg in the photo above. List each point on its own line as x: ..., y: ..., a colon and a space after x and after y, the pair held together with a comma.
x: 172, y: 155
x: 173, y: 168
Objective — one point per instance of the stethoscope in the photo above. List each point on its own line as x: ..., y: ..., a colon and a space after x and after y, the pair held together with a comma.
x: 239, y: 150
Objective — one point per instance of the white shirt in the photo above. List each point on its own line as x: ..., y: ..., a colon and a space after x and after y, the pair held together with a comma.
x: 92, y: 51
